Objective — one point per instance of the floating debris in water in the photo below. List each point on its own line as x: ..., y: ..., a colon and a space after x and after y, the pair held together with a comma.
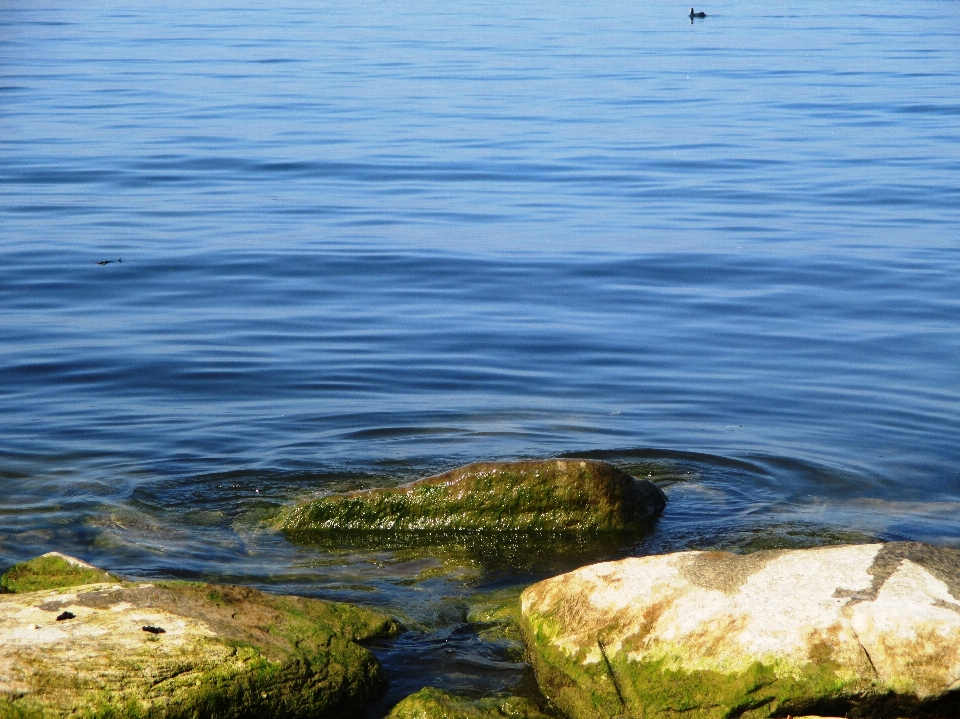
x: 107, y: 262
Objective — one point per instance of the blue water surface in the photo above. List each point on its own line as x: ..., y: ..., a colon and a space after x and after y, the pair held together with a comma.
x: 364, y: 242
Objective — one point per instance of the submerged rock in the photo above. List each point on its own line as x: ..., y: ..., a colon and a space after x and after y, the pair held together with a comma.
x: 430, y: 703
x: 496, y: 619
x: 547, y: 496
x: 499, y: 606
x: 866, y: 631
x: 177, y: 649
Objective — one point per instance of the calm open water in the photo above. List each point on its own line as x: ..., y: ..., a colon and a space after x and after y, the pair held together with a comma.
x: 364, y: 242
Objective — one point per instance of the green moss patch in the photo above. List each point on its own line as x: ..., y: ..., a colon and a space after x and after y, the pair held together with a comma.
x: 51, y: 571
x: 430, y: 703
x: 616, y: 686
x: 546, y: 496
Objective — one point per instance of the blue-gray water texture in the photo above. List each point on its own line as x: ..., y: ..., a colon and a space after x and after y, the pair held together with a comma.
x: 364, y: 242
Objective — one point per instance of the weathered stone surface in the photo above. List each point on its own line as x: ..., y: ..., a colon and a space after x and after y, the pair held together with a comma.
x: 552, y: 496
x: 430, y: 703
x: 177, y: 649
x: 865, y: 631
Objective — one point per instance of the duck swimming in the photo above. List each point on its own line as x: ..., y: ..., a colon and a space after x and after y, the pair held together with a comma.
x: 696, y: 14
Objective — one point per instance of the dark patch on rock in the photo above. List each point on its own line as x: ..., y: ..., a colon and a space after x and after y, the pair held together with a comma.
x: 725, y: 571
x: 947, y: 605
x: 154, y: 630
x: 941, y: 562
x: 66, y: 615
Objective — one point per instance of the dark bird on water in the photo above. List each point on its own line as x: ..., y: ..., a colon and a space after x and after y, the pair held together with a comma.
x: 107, y: 262
x: 696, y: 14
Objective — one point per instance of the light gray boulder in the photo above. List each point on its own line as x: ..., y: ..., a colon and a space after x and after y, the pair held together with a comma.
x: 867, y: 630
x: 76, y: 641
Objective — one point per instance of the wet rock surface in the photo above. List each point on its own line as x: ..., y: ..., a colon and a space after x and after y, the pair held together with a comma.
x: 178, y: 649
x: 430, y: 703
x: 546, y: 496
x: 860, y: 631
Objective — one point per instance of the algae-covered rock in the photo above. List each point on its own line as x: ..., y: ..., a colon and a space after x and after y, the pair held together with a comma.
x: 546, y: 496
x: 430, y: 703
x: 177, y: 649
x: 865, y: 631
x: 50, y: 571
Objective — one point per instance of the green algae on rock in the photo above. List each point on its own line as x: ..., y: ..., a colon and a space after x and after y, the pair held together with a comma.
x: 870, y: 631
x: 430, y: 703
x: 496, y: 616
x: 500, y: 605
x: 179, y: 649
x: 542, y: 496
x: 51, y: 571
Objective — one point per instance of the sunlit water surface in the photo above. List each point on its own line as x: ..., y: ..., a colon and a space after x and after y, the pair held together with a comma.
x: 366, y: 242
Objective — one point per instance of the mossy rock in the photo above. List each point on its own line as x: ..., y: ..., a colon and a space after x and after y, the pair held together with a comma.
x: 536, y: 496
x: 51, y: 571
x: 865, y: 631
x: 178, y: 649
x: 430, y: 703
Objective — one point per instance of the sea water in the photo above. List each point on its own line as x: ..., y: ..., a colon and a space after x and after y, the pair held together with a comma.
x: 352, y: 244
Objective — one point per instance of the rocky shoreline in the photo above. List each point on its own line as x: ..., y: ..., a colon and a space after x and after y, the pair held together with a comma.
x: 866, y: 631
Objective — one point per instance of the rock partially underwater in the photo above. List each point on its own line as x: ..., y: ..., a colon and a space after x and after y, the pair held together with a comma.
x: 430, y: 703
x: 860, y: 631
x: 76, y: 641
x: 545, y: 496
